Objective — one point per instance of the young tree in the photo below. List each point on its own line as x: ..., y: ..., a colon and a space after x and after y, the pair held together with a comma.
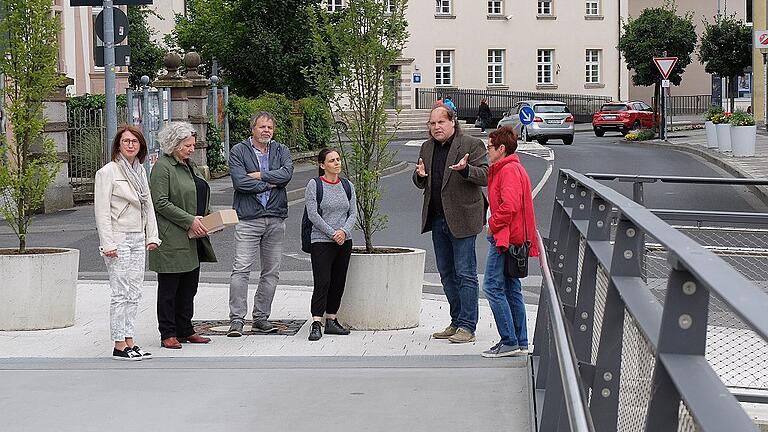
x: 654, y: 32
x: 726, y: 49
x: 146, y: 55
x: 28, y: 160
x: 355, y: 49
x: 260, y: 45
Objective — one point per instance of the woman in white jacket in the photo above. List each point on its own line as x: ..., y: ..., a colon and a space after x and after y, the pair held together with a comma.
x: 127, y: 226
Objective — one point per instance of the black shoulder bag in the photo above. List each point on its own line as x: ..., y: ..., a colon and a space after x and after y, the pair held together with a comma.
x: 516, y: 257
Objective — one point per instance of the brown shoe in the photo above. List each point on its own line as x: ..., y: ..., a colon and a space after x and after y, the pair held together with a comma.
x: 170, y: 343
x: 195, y: 339
x: 445, y: 334
x: 462, y: 336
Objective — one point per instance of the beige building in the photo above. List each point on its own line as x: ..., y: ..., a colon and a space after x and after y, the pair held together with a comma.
x: 695, y: 80
x: 561, y: 46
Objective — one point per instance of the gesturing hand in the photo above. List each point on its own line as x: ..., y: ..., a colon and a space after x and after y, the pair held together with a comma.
x: 460, y: 165
x: 339, y: 236
x: 420, y: 170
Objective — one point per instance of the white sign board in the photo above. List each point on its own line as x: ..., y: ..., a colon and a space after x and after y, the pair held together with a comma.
x: 665, y: 83
x: 761, y: 39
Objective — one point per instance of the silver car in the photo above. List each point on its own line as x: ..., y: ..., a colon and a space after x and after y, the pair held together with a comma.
x: 552, y: 120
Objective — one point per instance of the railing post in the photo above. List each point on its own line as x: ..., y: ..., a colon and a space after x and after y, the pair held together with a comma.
x: 683, y: 331
x: 568, y: 281
x: 605, y: 387
x: 226, y: 123
x: 554, y: 398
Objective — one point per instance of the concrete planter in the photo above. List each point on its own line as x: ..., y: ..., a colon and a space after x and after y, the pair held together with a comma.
x: 38, y: 291
x: 383, y: 291
x: 743, y: 140
x: 711, y: 134
x: 724, y: 137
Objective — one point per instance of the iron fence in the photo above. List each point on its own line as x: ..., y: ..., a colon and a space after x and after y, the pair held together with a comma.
x: 657, y: 321
x: 500, y: 101
x: 687, y: 105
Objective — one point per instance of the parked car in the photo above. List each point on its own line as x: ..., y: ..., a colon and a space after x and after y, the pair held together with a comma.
x: 622, y: 117
x: 552, y: 120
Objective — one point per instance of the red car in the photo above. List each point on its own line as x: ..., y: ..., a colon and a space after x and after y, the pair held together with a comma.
x: 622, y: 117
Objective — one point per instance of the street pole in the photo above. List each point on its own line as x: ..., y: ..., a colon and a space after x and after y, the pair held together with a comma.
x: 109, y: 74
x: 765, y: 88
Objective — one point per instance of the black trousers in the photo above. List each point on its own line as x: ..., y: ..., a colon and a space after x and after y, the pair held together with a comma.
x: 176, y: 303
x: 329, y: 270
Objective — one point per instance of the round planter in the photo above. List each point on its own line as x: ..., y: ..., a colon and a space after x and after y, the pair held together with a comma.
x: 383, y: 291
x: 38, y: 290
x: 724, y: 137
x: 743, y: 140
x: 711, y: 134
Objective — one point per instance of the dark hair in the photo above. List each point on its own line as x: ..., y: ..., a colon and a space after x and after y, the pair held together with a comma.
x: 321, y: 158
x: 451, y: 114
x: 505, y: 136
x: 139, y: 135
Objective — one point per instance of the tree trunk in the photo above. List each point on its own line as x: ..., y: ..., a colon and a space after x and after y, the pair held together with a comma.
x: 731, y: 92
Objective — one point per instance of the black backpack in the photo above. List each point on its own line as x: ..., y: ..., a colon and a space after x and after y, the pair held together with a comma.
x: 306, y: 224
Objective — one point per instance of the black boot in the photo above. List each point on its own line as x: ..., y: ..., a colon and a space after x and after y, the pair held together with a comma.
x: 334, y: 327
x: 316, y: 332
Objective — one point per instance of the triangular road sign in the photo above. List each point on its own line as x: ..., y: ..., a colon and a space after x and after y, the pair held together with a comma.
x: 665, y: 65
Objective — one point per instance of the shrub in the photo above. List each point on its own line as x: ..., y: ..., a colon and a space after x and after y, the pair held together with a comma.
x: 640, y: 135
x: 317, y: 122
x: 741, y: 118
x: 712, y: 111
x: 93, y: 101
x: 240, y: 110
x: 215, y: 151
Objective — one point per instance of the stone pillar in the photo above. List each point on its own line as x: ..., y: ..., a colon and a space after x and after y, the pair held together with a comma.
x: 59, y: 195
x: 404, y: 91
x: 189, y: 99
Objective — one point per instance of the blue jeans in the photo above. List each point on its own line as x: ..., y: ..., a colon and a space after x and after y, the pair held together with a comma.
x: 505, y: 297
x: 457, y: 264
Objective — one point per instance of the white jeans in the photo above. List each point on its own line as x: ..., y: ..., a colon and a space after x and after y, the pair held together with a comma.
x: 126, y: 276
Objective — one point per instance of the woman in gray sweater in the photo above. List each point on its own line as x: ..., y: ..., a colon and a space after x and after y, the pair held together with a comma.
x: 332, y: 222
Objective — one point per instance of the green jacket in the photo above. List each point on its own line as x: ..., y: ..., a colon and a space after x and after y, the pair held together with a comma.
x: 174, y: 197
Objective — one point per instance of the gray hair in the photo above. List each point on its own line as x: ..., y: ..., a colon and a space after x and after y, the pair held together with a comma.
x: 173, y: 134
x: 261, y: 114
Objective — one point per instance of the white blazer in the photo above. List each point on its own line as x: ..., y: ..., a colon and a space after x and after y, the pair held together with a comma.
x: 118, y: 208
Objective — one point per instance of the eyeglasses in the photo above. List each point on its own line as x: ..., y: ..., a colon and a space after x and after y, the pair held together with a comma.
x: 129, y: 141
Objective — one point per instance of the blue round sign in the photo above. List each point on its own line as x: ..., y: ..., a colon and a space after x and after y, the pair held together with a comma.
x: 526, y: 115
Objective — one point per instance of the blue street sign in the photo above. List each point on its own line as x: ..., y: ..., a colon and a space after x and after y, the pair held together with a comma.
x: 526, y: 115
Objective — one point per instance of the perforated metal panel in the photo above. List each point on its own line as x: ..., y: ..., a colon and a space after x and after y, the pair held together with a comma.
x: 601, y: 289
x: 686, y: 421
x: 637, y: 365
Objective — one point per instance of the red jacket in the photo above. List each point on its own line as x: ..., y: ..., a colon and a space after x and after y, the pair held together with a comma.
x: 507, y: 181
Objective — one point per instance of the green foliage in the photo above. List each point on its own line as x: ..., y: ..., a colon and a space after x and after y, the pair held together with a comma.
x: 261, y: 45
x: 215, y: 151
x: 721, y: 117
x: 726, y: 47
x: 29, y: 159
x: 741, y: 118
x: 354, y: 50
x: 317, y: 122
x: 86, y: 150
x: 146, y: 55
x: 640, y: 135
x: 655, y: 31
x: 712, y: 111
x: 239, y: 110
x: 280, y: 107
x: 93, y: 101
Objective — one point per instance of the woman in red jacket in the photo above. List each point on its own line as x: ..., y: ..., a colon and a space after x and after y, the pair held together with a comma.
x: 512, y: 222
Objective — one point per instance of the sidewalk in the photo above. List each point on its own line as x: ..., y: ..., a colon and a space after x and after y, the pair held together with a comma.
x: 89, y: 336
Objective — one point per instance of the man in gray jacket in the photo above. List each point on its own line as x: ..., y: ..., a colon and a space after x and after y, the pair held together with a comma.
x: 260, y: 169
x: 452, y: 169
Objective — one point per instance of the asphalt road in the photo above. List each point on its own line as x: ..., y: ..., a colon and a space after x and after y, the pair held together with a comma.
x: 401, y: 201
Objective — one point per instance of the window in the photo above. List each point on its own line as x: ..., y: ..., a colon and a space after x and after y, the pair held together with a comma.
x: 334, y: 5
x: 748, y: 12
x: 390, y: 6
x: 442, y: 7
x: 495, y: 66
x: 545, y: 7
x: 494, y: 7
x: 592, y: 64
x: 443, y: 67
x: 544, y: 67
x: 593, y: 8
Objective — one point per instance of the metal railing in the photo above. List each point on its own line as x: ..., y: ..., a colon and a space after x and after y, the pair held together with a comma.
x: 687, y: 105
x: 645, y: 357
x: 500, y: 101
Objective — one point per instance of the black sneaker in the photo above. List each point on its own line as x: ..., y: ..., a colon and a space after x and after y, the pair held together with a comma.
x: 334, y: 327
x: 126, y: 354
x: 235, y: 329
x: 141, y: 352
x: 316, y: 332
x: 263, y: 326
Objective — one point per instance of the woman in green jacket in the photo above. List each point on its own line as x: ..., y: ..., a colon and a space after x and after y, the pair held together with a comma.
x: 181, y: 198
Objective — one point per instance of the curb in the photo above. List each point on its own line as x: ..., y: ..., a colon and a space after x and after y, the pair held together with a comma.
x: 296, y: 194
x: 761, y: 192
